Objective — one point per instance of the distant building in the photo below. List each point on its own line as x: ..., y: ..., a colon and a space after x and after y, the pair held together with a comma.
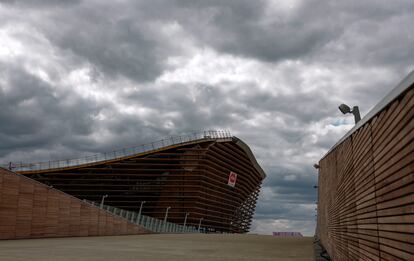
x: 208, y: 180
x: 287, y: 234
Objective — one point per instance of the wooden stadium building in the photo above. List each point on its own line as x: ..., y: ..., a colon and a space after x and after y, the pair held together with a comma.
x: 208, y: 179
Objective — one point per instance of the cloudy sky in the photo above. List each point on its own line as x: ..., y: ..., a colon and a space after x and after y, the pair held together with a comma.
x: 80, y: 77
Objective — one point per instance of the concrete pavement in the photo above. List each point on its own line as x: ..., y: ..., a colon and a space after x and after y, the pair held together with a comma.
x: 171, y: 247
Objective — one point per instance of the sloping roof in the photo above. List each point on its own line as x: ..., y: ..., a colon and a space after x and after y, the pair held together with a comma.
x: 249, y: 153
x: 165, y: 144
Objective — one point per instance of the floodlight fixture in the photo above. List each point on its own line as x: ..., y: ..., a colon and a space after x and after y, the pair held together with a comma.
x: 316, y: 166
x: 344, y: 108
x: 355, y: 111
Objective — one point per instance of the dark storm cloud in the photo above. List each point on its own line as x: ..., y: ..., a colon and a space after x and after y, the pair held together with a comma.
x: 288, y: 187
x: 302, y: 186
x: 246, y: 28
x: 40, y: 3
x: 34, y: 115
x: 205, y: 108
x: 299, y: 107
x: 126, y: 38
x: 369, y: 32
x: 112, y: 36
x: 242, y: 31
x: 272, y: 31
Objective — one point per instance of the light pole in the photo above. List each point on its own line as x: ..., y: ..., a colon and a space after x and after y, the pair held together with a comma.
x: 165, y: 218
x: 199, y: 224
x: 103, y: 200
x: 185, y: 219
x: 140, y: 211
x: 317, y: 186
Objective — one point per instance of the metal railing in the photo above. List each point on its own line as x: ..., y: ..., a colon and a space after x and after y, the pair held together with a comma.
x: 149, y: 223
x: 101, y: 157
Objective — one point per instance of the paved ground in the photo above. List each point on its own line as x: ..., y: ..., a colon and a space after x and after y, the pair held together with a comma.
x: 194, y: 247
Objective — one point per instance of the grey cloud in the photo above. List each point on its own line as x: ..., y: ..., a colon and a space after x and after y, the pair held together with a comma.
x: 125, y: 45
x: 198, y: 106
x: 300, y: 107
x: 267, y: 226
x: 40, y: 3
x: 239, y: 28
x: 285, y: 183
x: 35, y: 115
x: 279, y: 210
x: 348, y: 32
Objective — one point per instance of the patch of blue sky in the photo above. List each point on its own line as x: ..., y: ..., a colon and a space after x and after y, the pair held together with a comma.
x: 340, y: 122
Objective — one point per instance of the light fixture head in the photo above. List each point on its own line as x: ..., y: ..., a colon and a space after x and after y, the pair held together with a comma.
x: 355, y: 111
x: 316, y: 166
x: 344, y: 108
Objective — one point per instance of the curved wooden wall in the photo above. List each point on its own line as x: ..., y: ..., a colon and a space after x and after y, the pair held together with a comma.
x: 29, y: 209
x: 189, y: 179
x: 366, y: 189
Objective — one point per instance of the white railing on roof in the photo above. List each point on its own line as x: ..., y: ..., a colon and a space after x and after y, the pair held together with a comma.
x: 117, y: 154
x: 150, y: 223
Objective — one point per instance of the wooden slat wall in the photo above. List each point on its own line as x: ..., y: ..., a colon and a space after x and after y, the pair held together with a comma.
x: 366, y: 189
x: 189, y: 179
x: 29, y: 209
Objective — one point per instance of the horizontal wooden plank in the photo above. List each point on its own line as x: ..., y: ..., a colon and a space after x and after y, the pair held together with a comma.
x: 402, y: 255
x: 403, y: 237
x: 29, y: 209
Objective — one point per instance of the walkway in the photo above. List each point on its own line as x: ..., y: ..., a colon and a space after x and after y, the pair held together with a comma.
x: 171, y: 247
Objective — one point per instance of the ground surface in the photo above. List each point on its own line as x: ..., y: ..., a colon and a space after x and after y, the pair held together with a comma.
x: 196, y: 247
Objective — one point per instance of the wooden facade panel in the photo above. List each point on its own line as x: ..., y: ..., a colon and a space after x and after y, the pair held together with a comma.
x: 403, y: 200
x: 366, y: 202
x: 388, y: 257
x: 33, y: 210
x: 24, y: 213
x: 398, y: 227
x: 1, y: 189
x: 407, y: 238
x: 393, y: 253
x: 188, y: 178
x: 391, y: 120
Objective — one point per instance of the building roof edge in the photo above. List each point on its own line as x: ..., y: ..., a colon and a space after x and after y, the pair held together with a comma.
x: 250, y: 154
x: 394, y: 94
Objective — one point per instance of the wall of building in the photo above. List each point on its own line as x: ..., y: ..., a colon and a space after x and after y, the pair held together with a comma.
x: 366, y: 189
x: 29, y: 209
x: 191, y: 179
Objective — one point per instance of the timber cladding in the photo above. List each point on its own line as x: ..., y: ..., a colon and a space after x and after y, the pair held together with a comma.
x: 191, y: 179
x: 29, y: 209
x: 366, y: 188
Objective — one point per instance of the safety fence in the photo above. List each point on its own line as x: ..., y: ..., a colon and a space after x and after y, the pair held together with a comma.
x: 149, y: 223
x: 117, y: 154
